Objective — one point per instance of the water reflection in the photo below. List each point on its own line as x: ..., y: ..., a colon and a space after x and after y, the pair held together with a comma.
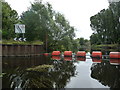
x: 56, y: 57
x: 97, y: 60
x: 81, y: 59
x: 106, y: 74
x: 15, y: 67
x: 68, y: 58
x: 36, y: 72
x: 115, y: 61
x: 60, y: 72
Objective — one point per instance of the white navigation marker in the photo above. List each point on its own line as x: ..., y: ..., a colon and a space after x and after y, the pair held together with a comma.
x: 24, y: 39
x: 19, y: 28
x: 15, y: 39
x: 20, y: 39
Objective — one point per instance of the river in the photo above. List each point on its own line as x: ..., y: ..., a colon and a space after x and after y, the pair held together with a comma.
x: 60, y: 72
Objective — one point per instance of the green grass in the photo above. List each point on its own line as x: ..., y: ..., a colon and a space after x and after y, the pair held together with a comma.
x: 40, y: 68
x: 21, y: 42
x: 108, y: 47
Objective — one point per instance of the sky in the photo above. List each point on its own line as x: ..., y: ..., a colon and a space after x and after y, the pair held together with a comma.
x: 77, y: 12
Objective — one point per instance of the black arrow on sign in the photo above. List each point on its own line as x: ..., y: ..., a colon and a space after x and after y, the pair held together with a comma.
x: 19, y: 29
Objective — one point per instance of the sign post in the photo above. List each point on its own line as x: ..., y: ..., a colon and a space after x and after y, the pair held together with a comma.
x: 20, y: 28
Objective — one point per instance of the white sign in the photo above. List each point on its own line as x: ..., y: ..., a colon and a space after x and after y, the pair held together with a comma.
x: 19, y: 28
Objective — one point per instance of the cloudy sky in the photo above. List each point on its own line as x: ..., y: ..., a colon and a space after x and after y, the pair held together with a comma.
x: 77, y: 12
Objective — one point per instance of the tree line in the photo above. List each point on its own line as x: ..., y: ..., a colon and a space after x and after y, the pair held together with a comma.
x: 9, y: 18
x: 106, y: 26
x: 41, y: 23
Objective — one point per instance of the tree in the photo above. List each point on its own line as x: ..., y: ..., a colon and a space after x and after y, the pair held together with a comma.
x: 83, y: 44
x: 106, y: 25
x: 43, y: 23
x: 9, y: 18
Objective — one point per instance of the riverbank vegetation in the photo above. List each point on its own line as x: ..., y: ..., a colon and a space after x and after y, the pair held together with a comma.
x: 106, y: 26
x: 48, y: 26
x: 43, y: 25
x: 11, y: 41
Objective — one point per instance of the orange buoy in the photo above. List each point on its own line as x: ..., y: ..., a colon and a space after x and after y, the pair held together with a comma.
x: 46, y: 54
x: 114, y: 61
x: 81, y: 59
x: 55, y: 53
x: 56, y: 57
x: 68, y: 58
x: 67, y: 53
x: 81, y: 54
x: 115, y: 55
x: 97, y: 60
x: 96, y: 54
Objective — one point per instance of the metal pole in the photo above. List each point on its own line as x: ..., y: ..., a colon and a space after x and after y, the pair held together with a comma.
x: 23, y: 35
x: 46, y: 42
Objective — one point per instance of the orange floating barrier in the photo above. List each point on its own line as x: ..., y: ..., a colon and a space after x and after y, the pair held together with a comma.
x: 81, y: 54
x: 115, y: 55
x: 67, y: 53
x: 56, y: 57
x: 55, y: 53
x: 68, y: 58
x: 96, y: 54
x: 97, y: 60
x: 46, y: 54
x: 81, y: 58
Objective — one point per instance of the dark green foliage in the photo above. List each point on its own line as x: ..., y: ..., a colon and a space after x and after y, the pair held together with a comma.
x: 44, y: 24
x: 106, y: 25
x: 84, y: 44
x: 9, y: 18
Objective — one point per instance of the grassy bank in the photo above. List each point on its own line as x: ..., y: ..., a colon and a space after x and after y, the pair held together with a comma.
x: 107, y: 47
x: 21, y: 42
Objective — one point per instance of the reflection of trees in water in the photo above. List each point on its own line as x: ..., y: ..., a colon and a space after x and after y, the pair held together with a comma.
x: 106, y: 74
x: 62, y: 72
x: 42, y: 77
x: 55, y: 77
x: 23, y: 62
x: 14, y: 68
x: 37, y: 77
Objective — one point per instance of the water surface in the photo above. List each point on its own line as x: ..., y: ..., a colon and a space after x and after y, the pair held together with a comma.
x: 60, y: 72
